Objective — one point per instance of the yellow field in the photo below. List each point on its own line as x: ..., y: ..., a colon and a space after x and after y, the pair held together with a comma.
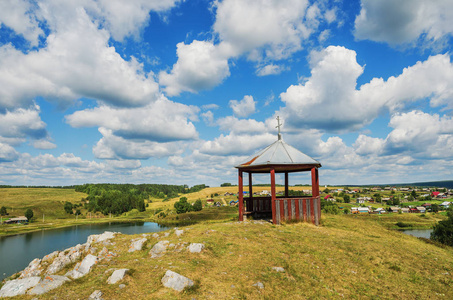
x: 49, y: 201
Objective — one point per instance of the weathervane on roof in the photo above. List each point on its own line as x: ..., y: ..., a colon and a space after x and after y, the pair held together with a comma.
x: 278, y: 126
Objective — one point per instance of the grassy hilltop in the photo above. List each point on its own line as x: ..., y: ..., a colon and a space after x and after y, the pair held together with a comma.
x: 348, y: 256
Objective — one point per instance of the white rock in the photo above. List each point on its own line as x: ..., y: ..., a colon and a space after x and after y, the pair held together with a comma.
x: 96, y: 238
x: 278, y: 269
x: 155, y: 235
x: 58, y: 264
x: 260, y: 285
x: 50, y: 256
x: 179, y: 232
x: 96, y: 295
x: 137, y: 245
x: 84, y: 267
x: 47, y: 284
x: 158, y: 249
x: 176, y: 281
x: 33, y: 269
x: 18, y: 286
x: 195, y: 247
x: 117, y: 276
x: 166, y: 234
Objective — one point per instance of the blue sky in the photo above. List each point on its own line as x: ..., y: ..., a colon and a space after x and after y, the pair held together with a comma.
x: 179, y: 92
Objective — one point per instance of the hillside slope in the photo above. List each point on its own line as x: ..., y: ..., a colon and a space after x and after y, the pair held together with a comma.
x: 347, y: 257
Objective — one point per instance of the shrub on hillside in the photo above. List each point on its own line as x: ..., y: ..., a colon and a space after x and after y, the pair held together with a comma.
x: 197, y: 205
x: 68, y: 207
x: 3, y: 211
x: 443, y: 231
x: 29, y: 214
x: 182, y: 206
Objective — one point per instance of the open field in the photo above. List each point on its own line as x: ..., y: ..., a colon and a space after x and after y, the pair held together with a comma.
x: 49, y: 202
x: 346, y: 257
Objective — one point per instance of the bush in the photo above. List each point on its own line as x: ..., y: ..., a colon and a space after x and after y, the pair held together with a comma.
x: 29, y: 214
x: 403, y: 225
x: 329, y: 207
x: 197, y: 205
x: 68, y: 207
x: 346, y: 199
x: 3, y: 211
x: 443, y: 231
x: 182, y: 206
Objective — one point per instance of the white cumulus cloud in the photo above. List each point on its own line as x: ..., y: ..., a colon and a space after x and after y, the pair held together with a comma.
x: 200, y: 66
x: 244, y: 107
x: 161, y: 121
x: 329, y: 99
x: 404, y: 21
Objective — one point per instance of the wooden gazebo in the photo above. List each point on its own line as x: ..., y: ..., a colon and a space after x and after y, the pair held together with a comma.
x: 280, y: 157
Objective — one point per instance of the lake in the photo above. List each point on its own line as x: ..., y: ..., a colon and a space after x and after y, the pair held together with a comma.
x: 424, y: 233
x: 17, y: 251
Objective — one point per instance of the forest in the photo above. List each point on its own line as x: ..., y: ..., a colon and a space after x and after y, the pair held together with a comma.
x: 119, y: 198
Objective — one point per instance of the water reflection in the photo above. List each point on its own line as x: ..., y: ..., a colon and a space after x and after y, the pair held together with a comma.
x: 424, y: 233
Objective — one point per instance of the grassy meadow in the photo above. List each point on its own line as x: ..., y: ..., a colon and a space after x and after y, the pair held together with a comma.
x: 346, y: 257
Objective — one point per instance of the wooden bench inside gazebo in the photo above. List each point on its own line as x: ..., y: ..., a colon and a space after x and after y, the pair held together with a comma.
x: 280, y: 157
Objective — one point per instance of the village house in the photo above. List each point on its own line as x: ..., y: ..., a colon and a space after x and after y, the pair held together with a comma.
x: 18, y: 220
x: 445, y: 205
x: 421, y: 209
x: 380, y: 210
x: 394, y: 209
x: 405, y: 210
x: 364, y: 210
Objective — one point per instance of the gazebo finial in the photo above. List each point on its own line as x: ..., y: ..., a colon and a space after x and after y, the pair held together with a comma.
x: 278, y: 126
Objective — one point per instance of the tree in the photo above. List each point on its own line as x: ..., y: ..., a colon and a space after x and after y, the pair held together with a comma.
x: 68, y: 207
x: 414, y: 194
x: 225, y: 184
x: 29, y: 214
x: 3, y: 211
x: 78, y: 212
x: 396, y: 200
x: 435, y: 208
x: 346, y: 199
x: 197, y: 205
x: 182, y: 206
x: 443, y: 231
x: 377, y: 198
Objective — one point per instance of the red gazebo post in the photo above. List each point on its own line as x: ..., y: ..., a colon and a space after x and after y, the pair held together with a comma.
x: 250, y: 186
x: 315, y: 192
x: 241, y: 197
x: 273, y: 197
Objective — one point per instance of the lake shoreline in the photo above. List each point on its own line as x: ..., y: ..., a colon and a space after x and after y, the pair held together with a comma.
x: 51, y: 226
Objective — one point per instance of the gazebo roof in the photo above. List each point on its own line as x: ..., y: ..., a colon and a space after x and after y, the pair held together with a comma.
x: 281, y: 157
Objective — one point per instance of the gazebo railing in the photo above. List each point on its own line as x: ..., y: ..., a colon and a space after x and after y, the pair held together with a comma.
x: 307, y: 209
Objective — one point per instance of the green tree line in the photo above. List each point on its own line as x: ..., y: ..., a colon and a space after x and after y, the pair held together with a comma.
x: 119, y: 198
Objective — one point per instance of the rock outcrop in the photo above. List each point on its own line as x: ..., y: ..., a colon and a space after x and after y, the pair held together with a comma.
x: 159, y: 249
x: 117, y: 275
x: 195, y: 247
x: 137, y: 244
x: 18, y: 286
x: 81, y: 269
x: 47, y: 284
x: 176, y: 281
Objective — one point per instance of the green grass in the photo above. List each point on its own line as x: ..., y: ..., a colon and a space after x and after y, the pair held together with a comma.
x: 346, y: 257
